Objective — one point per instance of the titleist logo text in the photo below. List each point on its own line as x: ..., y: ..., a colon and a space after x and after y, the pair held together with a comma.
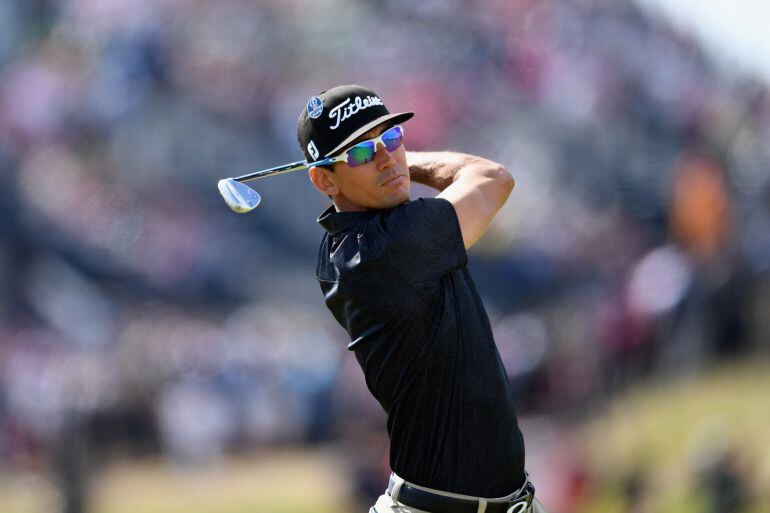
x: 346, y: 109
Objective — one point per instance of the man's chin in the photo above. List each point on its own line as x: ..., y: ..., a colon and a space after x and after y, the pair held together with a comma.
x: 397, y: 198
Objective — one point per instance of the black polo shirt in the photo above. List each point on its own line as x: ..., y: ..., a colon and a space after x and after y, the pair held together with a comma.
x: 397, y: 281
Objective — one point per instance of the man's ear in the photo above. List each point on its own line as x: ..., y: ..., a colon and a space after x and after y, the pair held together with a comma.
x: 323, y: 180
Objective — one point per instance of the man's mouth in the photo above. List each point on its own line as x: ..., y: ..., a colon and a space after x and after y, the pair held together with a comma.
x: 395, y: 180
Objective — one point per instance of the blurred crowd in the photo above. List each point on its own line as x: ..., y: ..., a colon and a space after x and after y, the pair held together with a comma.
x: 140, y: 316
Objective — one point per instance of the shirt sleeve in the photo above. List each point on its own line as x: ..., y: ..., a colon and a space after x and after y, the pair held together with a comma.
x: 422, y: 242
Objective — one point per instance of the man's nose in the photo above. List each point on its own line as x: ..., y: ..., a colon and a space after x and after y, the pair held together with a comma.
x: 383, y: 158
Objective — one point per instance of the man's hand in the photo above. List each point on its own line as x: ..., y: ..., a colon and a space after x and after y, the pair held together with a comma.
x: 476, y: 187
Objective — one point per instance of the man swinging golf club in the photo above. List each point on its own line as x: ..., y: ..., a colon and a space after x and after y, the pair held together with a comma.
x: 394, y: 274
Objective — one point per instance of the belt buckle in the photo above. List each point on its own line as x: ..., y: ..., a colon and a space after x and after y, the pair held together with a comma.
x: 524, y: 501
x: 519, y: 506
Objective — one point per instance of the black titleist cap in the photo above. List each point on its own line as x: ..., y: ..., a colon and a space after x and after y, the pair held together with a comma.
x: 334, y: 118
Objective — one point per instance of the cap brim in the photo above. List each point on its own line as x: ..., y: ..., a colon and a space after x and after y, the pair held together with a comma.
x: 395, y: 118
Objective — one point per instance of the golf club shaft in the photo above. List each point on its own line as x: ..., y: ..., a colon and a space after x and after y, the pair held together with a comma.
x: 286, y: 168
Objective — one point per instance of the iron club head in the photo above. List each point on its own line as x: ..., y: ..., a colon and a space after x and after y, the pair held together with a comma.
x: 239, y: 197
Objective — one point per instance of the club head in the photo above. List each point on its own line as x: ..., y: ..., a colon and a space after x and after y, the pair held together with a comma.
x: 239, y: 197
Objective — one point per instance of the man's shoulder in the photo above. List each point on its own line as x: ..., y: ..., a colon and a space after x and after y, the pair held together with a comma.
x: 415, y: 218
x: 416, y: 230
x: 417, y: 206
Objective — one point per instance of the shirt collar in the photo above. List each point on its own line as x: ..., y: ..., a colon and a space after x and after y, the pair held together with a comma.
x: 335, y: 222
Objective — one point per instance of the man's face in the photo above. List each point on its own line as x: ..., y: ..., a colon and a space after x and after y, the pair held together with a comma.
x: 382, y: 183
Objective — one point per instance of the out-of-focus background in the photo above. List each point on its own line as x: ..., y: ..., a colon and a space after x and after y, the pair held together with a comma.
x: 159, y: 353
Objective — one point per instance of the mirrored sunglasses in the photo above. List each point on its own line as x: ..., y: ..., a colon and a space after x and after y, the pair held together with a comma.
x: 363, y: 152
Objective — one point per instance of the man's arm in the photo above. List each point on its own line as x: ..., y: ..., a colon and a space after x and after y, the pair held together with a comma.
x: 476, y: 187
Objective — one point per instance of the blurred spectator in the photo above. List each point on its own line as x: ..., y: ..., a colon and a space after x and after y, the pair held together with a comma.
x: 700, y: 208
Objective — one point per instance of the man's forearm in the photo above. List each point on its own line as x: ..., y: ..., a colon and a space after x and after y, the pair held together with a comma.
x: 440, y: 169
x: 436, y: 169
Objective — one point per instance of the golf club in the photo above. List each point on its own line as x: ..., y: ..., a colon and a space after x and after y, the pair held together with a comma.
x: 241, y: 198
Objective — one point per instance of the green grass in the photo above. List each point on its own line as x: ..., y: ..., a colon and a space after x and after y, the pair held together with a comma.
x: 666, y: 429
x: 661, y: 428
x: 274, y: 482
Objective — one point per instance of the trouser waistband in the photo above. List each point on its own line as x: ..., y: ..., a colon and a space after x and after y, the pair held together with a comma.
x: 439, y: 501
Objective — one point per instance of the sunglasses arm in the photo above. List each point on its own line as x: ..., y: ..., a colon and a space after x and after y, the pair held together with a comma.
x: 327, y: 161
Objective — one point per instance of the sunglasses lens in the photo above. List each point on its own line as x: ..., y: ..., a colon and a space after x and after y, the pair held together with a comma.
x: 361, y: 154
x: 393, y: 138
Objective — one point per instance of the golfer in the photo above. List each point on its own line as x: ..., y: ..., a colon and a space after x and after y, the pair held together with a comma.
x: 394, y: 274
